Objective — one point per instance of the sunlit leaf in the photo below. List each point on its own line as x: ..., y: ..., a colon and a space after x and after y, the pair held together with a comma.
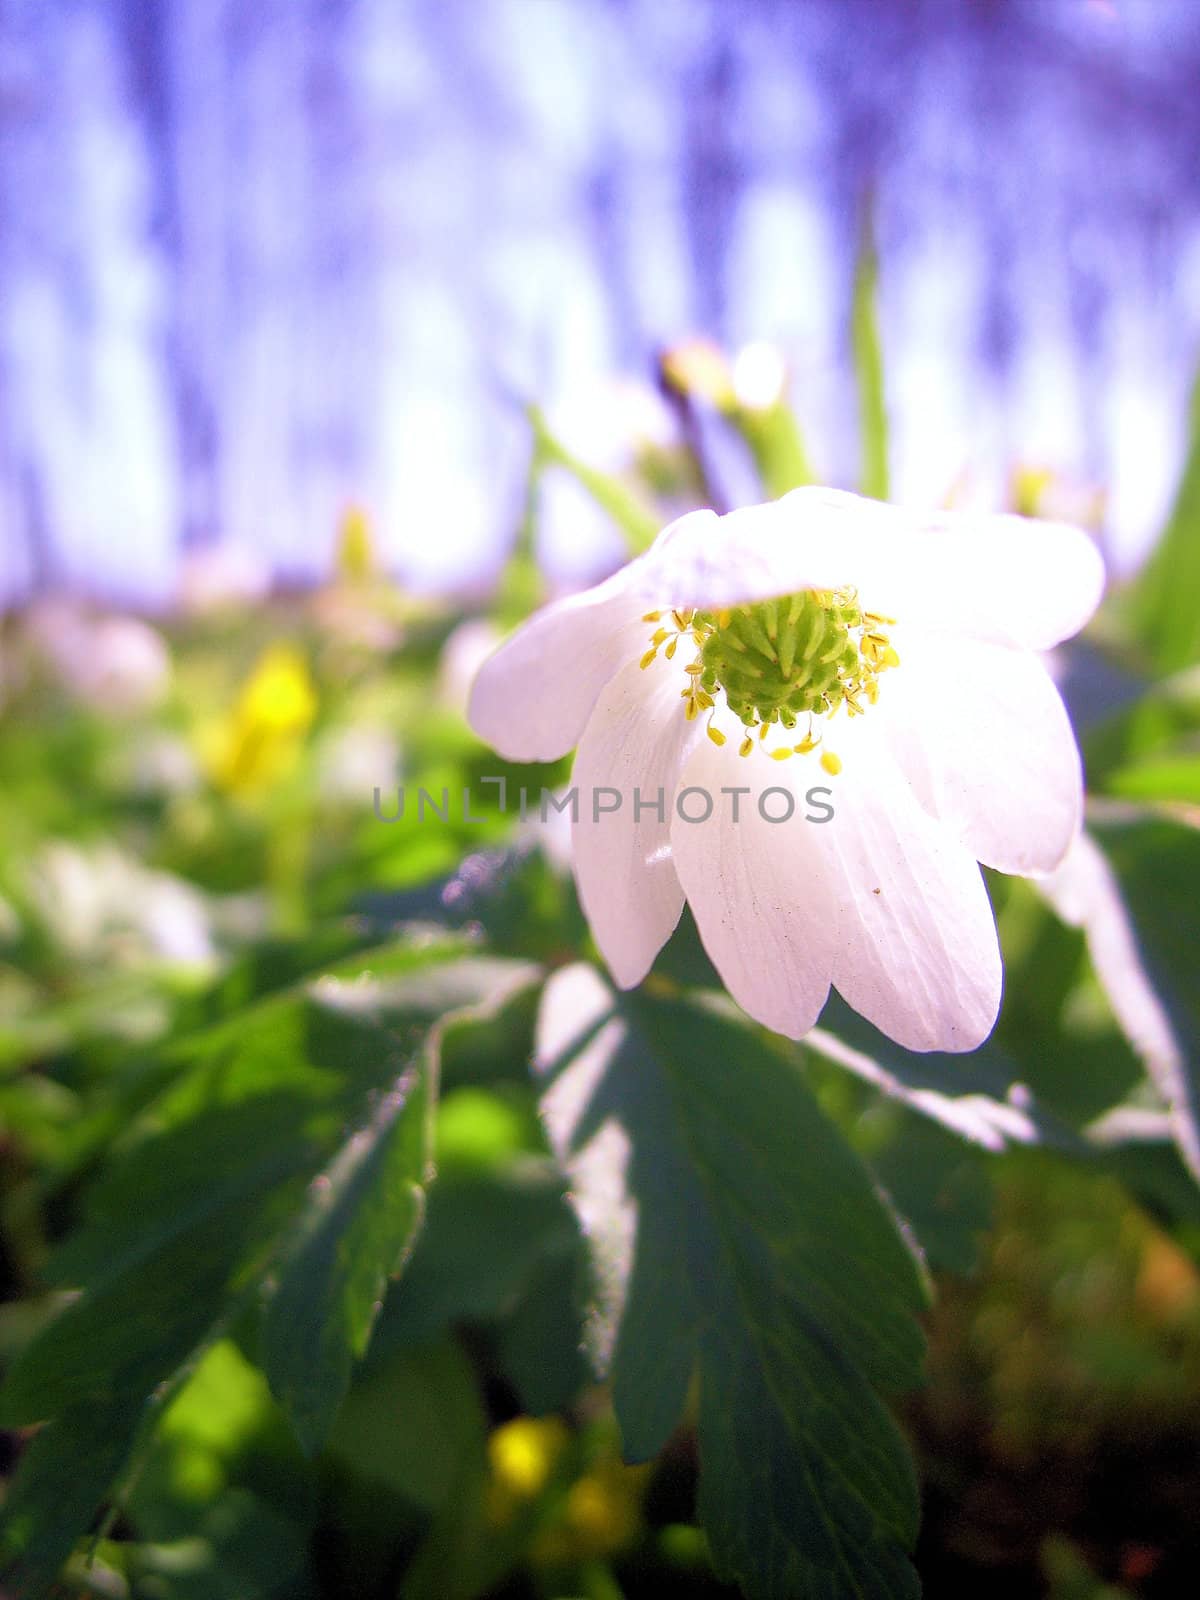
x: 361, y: 1216
x: 721, y: 1208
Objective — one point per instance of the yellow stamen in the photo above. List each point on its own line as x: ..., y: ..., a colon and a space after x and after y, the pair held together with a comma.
x: 772, y: 662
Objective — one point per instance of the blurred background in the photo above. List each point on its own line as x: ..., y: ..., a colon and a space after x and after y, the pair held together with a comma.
x: 334, y: 335
x: 256, y: 262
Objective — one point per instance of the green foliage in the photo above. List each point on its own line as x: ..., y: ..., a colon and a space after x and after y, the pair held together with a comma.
x: 746, y: 1200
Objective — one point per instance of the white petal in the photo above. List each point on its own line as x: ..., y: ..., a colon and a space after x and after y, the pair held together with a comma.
x: 757, y: 888
x: 917, y: 952
x: 1004, y: 578
x: 531, y: 700
x: 706, y: 561
x: 983, y: 735
x: 634, y: 745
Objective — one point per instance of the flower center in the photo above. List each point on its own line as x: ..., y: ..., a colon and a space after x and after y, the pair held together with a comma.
x: 780, y: 662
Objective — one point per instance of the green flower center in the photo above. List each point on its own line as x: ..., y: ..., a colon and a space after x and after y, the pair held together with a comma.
x: 778, y: 661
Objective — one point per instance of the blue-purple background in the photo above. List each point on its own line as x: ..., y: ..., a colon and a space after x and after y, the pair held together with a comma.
x: 257, y: 259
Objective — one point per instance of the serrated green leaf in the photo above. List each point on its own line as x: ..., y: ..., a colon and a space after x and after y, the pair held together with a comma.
x: 484, y: 1239
x: 359, y: 1221
x: 210, y: 1196
x: 736, y: 1234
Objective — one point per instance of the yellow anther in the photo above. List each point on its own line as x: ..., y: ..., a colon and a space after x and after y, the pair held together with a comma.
x: 669, y: 652
x: 890, y: 658
x: 782, y: 753
x: 704, y: 698
x: 806, y: 744
x: 648, y: 657
x: 660, y: 636
x: 682, y: 619
x: 691, y: 710
x: 763, y: 730
x: 652, y: 616
x: 715, y: 734
x: 694, y: 668
x: 831, y: 763
x: 746, y: 746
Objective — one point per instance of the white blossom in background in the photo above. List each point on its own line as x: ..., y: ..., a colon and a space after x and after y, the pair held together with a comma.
x: 99, y: 903
x: 821, y: 651
x: 116, y: 665
x: 352, y: 762
x: 466, y: 648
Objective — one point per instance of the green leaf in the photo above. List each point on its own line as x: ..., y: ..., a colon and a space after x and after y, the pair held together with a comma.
x: 868, y: 368
x: 981, y: 1097
x: 361, y: 1218
x: 63, y: 1476
x: 1173, y: 777
x: 407, y: 1423
x: 736, y: 1235
x: 539, y: 1345
x: 940, y: 1186
x: 1157, y: 865
x: 213, y: 1200
x: 635, y: 520
x: 773, y: 438
x: 222, y: 1503
x: 409, y: 1457
x: 1162, y: 604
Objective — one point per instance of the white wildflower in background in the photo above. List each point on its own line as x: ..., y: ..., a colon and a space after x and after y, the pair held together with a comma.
x: 820, y: 641
x: 116, y: 665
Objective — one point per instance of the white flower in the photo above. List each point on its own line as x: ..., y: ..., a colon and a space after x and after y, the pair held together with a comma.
x: 896, y: 673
